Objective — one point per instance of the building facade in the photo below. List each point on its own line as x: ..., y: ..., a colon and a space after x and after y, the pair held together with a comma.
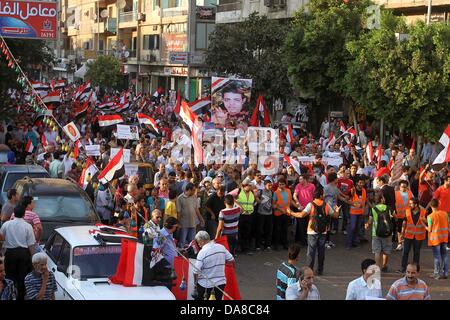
x: 416, y: 10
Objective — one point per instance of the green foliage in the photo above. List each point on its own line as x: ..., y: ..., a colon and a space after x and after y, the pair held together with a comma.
x: 105, y: 72
x: 27, y: 52
x: 315, y: 47
x: 251, y: 49
x: 405, y: 82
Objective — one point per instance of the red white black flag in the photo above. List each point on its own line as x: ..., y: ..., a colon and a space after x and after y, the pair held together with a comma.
x: 114, y: 170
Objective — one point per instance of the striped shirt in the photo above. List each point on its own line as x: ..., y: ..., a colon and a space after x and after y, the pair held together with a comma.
x: 211, y: 264
x: 401, y: 290
x: 33, y: 284
x: 30, y: 217
x: 9, y: 291
x: 286, y: 276
x: 230, y: 218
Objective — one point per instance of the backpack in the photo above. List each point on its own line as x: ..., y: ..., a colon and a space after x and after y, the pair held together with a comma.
x: 320, y: 220
x: 384, y: 223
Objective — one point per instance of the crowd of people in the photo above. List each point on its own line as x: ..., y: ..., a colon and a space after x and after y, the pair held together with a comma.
x: 395, y: 193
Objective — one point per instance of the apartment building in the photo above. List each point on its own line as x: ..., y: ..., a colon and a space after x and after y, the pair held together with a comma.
x: 160, y: 43
x: 415, y: 10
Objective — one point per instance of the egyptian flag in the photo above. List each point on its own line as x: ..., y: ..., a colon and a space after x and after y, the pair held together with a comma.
x: 144, y: 119
x: 109, y: 120
x: 369, y: 152
x: 382, y: 171
x: 60, y: 84
x: 53, y: 97
x: 29, y: 147
x: 290, y: 134
x: 260, y: 116
x: 185, y: 271
x: 158, y: 92
x: 342, y: 127
x: 114, y: 170
x: 83, y: 91
x: 39, y: 86
x: 106, y: 105
x: 390, y: 165
x: 122, y: 107
x: 196, y: 136
x: 139, y: 265
x: 294, y: 163
x: 201, y: 106
x: 331, y: 139
x: 89, y: 170
x: 187, y: 115
x: 44, y: 141
x: 178, y: 104
x: 378, y: 155
x: 83, y: 108
x: 444, y: 156
x: 218, y: 84
x: 76, y: 149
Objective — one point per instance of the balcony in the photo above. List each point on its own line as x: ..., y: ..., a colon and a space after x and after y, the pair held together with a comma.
x: 174, y: 12
x: 128, y: 17
x: 400, y: 4
x: 234, y: 6
x: 98, y: 27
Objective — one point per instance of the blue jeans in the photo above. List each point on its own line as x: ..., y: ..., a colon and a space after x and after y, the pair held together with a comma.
x: 186, y: 235
x: 316, y: 242
x: 440, y: 259
x: 345, y: 215
x: 353, y: 229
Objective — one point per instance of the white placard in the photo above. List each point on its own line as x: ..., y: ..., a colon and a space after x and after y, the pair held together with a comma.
x: 184, y: 140
x: 126, y: 154
x: 131, y: 169
x: 127, y: 132
x: 92, y: 150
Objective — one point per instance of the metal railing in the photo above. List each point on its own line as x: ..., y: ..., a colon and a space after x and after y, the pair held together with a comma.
x: 235, y: 6
x: 174, y: 12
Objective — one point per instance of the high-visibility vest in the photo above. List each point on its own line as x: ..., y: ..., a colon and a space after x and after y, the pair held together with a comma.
x: 439, y: 228
x: 247, y: 203
x: 401, y: 206
x: 415, y: 231
x: 362, y: 199
x: 282, y: 206
x: 313, y: 212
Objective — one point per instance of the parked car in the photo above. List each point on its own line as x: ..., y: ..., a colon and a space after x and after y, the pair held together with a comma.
x: 82, y: 267
x: 58, y: 203
x: 9, y: 174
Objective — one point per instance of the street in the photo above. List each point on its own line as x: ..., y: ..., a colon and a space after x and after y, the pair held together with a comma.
x: 257, y: 273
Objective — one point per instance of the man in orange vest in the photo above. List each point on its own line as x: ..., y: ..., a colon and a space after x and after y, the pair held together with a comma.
x: 357, y: 209
x: 282, y: 199
x: 414, y: 232
x: 320, y: 214
x: 402, y: 198
x: 437, y: 239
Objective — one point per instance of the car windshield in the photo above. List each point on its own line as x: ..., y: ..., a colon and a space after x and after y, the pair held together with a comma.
x: 96, y: 261
x: 62, y: 207
x: 13, y: 177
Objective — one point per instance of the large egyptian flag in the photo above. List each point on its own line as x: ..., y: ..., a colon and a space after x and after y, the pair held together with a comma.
x: 187, y: 115
x: 260, y: 116
x: 177, y: 107
x: 88, y: 173
x: 444, y: 156
x: 144, y: 119
x: 201, y: 106
x: 185, y: 271
x: 109, y: 120
x: 294, y: 163
x: 53, y: 97
x: 114, y: 170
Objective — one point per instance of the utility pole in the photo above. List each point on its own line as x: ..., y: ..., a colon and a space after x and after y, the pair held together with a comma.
x: 429, y: 12
x: 190, y: 29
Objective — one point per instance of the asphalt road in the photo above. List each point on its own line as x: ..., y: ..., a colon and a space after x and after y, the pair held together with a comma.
x: 256, y: 273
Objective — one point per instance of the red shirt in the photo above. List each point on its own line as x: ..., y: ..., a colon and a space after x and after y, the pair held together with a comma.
x: 345, y: 185
x: 442, y: 194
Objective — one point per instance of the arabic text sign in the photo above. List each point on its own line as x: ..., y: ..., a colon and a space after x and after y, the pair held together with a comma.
x: 127, y: 132
x: 93, y: 150
x: 28, y: 19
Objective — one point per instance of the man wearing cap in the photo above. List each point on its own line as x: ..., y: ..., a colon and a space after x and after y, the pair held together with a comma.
x: 245, y: 200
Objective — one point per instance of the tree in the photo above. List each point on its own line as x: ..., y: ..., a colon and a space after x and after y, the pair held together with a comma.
x: 251, y: 49
x: 105, y: 72
x: 405, y: 82
x: 314, y: 49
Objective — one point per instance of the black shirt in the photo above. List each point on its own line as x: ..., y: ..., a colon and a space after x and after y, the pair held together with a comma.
x: 389, y: 196
x: 215, y: 203
x: 415, y: 216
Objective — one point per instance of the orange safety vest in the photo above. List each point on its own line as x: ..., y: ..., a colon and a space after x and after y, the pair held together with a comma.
x: 134, y: 230
x: 401, y: 206
x: 358, y: 210
x: 282, y: 206
x: 415, y: 231
x: 312, y: 213
x: 439, y: 228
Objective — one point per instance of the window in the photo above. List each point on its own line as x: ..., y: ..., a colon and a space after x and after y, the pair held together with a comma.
x: 97, y: 261
x: 170, y: 3
x: 202, y: 35
x: 54, y: 247
x: 11, y: 178
x: 64, y: 257
x: 59, y: 207
x: 151, y: 42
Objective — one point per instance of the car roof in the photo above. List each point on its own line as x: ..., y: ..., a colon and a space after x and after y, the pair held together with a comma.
x: 80, y: 236
x: 50, y: 185
x: 23, y: 168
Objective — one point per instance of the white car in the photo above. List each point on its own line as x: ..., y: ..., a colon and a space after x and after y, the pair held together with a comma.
x: 82, y: 265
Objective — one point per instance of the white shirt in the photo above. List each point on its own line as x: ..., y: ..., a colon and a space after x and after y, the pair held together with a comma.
x: 211, y: 263
x: 18, y: 234
x: 358, y: 290
x: 294, y: 291
x: 67, y: 161
x: 259, y: 186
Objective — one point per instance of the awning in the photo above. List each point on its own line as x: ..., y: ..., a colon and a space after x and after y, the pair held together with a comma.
x: 80, y: 73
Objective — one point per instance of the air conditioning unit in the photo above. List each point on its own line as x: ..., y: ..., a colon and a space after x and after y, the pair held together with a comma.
x: 141, y: 16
